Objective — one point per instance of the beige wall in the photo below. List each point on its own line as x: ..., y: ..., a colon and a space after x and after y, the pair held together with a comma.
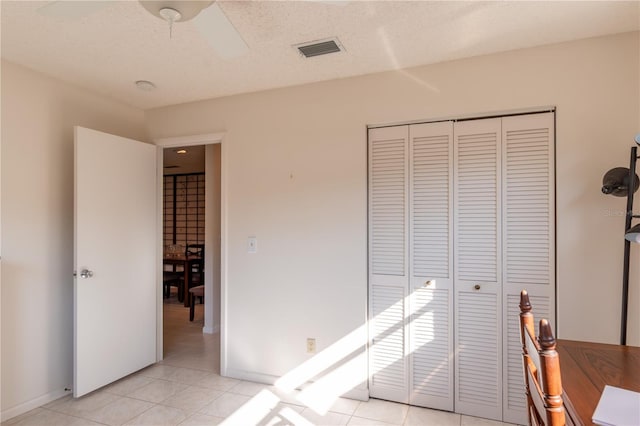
x: 38, y: 115
x: 296, y: 170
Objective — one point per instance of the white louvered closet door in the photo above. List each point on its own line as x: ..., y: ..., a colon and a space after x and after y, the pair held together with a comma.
x: 431, y: 265
x: 461, y: 219
x: 478, y: 294
x: 528, y: 239
x: 388, y: 262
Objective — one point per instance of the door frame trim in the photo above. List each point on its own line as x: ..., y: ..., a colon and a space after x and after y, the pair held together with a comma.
x: 191, y: 140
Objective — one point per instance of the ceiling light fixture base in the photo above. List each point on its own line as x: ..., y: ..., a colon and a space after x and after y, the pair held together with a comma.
x: 170, y: 15
x: 186, y: 8
x: 145, y: 85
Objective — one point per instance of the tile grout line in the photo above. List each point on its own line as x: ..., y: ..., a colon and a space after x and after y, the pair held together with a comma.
x: 404, y: 420
x: 75, y: 416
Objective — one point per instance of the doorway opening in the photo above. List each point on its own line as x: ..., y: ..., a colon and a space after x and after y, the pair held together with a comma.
x: 183, y: 229
x: 191, y: 225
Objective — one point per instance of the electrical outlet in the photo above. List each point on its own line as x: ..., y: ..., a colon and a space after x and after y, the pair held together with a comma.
x: 311, y: 345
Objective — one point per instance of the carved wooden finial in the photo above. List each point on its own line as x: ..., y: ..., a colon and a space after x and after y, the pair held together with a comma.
x: 546, y: 339
x: 525, y: 305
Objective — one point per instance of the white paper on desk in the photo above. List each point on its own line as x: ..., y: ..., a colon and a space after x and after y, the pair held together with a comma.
x: 617, y: 407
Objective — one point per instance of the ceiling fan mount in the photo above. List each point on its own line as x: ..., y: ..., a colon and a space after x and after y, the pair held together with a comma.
x: 170, y: 15
x: 209, y: 20
x: 175, y: 11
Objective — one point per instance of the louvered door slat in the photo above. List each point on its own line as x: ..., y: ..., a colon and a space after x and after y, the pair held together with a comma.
x: 431, y: 229
x: 531, y: 198
x: 528, y: 239
x: 478, y: 254
x: 430, y: 349
x: 387, y: 201
x: 476, y: 208
x: 388, y: 262
x: 388, y: 367
x: 430, y: 198
x: 478, y: 369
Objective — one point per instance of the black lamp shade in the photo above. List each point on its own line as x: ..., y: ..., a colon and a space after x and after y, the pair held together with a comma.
x: 616, y: 182
x: 633, y: 234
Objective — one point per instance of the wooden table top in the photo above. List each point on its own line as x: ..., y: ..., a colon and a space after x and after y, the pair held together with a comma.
x: 179, y: 257
x: 186, y: 261
x: 587, y: 367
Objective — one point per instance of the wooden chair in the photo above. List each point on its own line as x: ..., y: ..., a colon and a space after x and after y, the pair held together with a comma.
x: 193, y: 293
x: 195, y: 250
x: 173, y: 279
x: 196, y: 274
x: 541, y: 370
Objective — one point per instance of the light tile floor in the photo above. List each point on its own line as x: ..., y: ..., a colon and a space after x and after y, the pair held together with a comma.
x: 186, y: 389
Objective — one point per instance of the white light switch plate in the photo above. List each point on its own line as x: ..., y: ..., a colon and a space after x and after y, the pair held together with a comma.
x: 252, y: 245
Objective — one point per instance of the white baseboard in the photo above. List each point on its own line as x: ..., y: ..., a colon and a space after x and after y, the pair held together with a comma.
x: 360, y: 394
x: 211, y: 330
x: 251, y: 376
x: 30, y: 405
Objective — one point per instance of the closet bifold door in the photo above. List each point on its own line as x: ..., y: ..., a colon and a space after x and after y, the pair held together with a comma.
x: 477, y: 265
x: 528, y: 239
x: 388, y: 262
x: 430, y: 302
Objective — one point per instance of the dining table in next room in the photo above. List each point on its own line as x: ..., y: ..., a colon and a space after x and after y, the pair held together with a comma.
x: 184, y: 262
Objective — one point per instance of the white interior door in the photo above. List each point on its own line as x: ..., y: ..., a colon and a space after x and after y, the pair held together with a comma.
x: 388, y: 262
x: 528, y: 240
x: 477, y: 270
x: 431, y: 265
x: 115, y: 258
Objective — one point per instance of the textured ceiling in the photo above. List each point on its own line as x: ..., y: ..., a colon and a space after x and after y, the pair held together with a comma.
x: 106, y: 50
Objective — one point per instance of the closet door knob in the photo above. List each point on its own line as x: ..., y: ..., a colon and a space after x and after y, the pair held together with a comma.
x: 477, y: 286
x: 85, y: 273
x: 428, y: 283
